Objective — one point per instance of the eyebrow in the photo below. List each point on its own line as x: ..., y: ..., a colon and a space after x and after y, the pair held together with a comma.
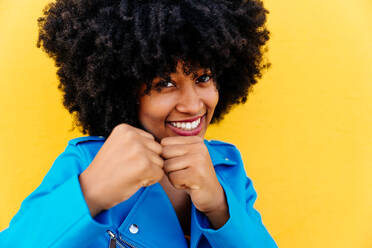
x: 159, y: 79
x: 195, y: 74
x: 203, y: 71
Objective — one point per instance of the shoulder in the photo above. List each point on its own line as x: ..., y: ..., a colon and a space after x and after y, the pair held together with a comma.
x: 85, y: 139
x: 86, y: 146
x: 77, y: 155
x: 228, y: 163
x: 223, y: 153
x: 78, y: 149
x: 223, y: 148
x: 220, y: 143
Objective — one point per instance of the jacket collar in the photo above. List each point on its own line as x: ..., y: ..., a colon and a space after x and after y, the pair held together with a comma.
x: 217, y: 157
x: 154, y: 217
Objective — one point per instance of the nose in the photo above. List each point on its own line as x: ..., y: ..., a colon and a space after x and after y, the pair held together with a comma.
x: 189, y: 101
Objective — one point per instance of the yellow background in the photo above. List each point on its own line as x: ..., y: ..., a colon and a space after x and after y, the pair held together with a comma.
x: 305, y: 133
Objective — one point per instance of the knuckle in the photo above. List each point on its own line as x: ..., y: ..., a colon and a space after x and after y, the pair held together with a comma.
x: 157, y: 160
x: 159, y: 149
x: 161, y: 163
x: 130, y: 134
x: 142, y: 147
x: 164, y: 141
x: 121, y: 127
x: 165, y: 151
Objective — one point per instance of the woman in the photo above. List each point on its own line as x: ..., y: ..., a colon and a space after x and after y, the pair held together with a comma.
x: 145, y: 79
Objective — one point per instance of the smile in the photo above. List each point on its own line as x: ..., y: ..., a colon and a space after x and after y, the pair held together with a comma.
x: 187, y: 127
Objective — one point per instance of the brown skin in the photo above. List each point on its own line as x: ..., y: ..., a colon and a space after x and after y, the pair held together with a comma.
x: 128, y: 160
x: 120, y: 167
x: 183, y: 98
x: 189, y: 167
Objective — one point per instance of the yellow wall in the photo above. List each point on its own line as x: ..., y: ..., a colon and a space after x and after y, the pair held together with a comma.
x: 305, y: 133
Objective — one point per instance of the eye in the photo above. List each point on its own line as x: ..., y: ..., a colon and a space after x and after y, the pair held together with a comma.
x: 203, y: 78
x: 164, y: 84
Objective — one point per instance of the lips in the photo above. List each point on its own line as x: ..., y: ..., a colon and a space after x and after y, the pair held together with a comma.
x: 187, y: 127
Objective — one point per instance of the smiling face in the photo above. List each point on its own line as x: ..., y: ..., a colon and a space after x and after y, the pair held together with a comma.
x: 180, y: 105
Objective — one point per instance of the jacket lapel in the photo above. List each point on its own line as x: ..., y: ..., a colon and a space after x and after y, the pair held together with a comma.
x: 152, y: 222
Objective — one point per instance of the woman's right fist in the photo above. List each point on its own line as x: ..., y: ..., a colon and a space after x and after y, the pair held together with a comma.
x: 129, y: 159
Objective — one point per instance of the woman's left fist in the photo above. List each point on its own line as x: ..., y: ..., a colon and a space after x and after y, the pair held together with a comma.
x: 189, y: 167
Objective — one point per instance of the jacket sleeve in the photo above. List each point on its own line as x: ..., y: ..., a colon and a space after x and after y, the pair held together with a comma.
x: 55, y: 214
x: 244, y: 228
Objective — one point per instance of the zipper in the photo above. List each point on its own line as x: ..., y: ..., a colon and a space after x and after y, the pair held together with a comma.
x: 115, y: 241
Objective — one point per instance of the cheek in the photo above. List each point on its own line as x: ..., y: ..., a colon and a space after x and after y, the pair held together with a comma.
x: 211, y: 98
x: 145, y: 110
x: 153, y: 110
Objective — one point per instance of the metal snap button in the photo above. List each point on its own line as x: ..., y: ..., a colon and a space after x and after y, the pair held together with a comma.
x: 227, y: 159
x: 133, y: 229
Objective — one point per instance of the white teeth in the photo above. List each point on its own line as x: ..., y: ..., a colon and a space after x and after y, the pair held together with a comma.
x: 186, y: 125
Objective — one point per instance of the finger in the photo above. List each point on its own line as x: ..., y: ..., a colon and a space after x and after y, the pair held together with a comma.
x: 170, y: 151
x: 175, y: 164
x: 182, y: 179
x: 153, y: 146
x: 144, y: 133
x: 156, y: 159
x: 176, y: 140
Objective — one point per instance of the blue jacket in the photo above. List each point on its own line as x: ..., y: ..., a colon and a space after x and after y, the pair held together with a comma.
x: 56, y: 214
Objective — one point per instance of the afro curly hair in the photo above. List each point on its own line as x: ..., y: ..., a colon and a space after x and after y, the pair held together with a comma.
x: 105, y: 50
